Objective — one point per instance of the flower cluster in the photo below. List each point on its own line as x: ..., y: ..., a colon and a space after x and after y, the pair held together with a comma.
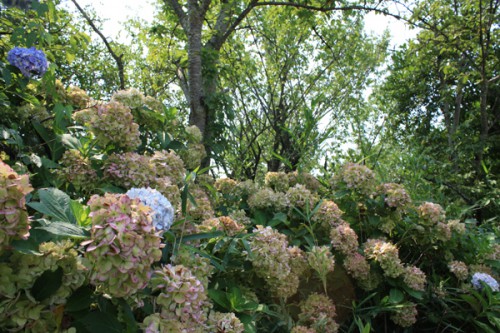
x: 129, y: 170
x: 300, y: 197
x: 114, y: 124
x: 357, y: 266
x: 77, y: 97
x: 14, y: 222
x: 457, y: 226
x: 162, y: 210
x: 29, y: 61
x: 168, y: 164
x: 302, y: 329
x: 386, y: 254
x: 153, y: 104
x: 203, y: 209
x: 318, y: 312
x: 278, y: 181
x: 430, y: 213
x: 414, y: 278
x: 132, y: 98
x: 266, y: 198
x: 193, y: 134
x: 78, y: 171
x: 165, y: 186
x: 240, y: 216
x: 459, y: 268
x: 199, y: 266
x: 395, y: 195
x: 182, y: 296
x: 85, y: 116
x: 225, y: 323
x: 328, y: 215
x: 357, y: 177
x: 27, y: 112
x: 20, y: 311
x: 304, y: 178
x: 405, y: 316
x: 226, y: 186
x: 193, y: 155
x: 273, y: 261
x: 479, y: 278
x: 344, y: 239
x: 123, y: 245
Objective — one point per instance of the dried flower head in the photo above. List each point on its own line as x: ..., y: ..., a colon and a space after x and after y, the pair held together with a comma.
x: 459, y: 268
x: 405, y: 316
x: 344, y: 239
x: 114, y: 124
x: 278, y: 181
x: 430, y: 213
x: 318, y: 312
x: 414, y: 278
x: 14, y: 221
x: 123, y: 246
x: 131, y: 98
x: 386, y: 254
x: 266, y: 198
x: 328, y: 215
x: 168, y: 164
x: 300, y: 197
x: 78, y: 171
x: 395, y: 195
x: 356, y: 177
x: 225, y: 323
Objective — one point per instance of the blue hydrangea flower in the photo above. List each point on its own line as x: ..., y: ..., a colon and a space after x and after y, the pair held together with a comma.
x: 30, y: 61
x: 163, y: 212
x: 477, y: 278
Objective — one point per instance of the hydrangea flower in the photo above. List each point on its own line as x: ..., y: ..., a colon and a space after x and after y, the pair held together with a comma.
x: 477, y: 278
x: 29, y: 61
x: 163, y: 212
x: 14, y: 220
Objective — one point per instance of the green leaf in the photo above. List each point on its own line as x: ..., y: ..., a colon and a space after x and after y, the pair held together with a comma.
x: 47, y: 284
x: 220, y: 298
x: 101, y: 322
x: 108, y: 188
x: 71, y: 142
x: 81, y: 213
x: 396, y: 296
x: 66, y: 230
x: 205, y: 235
x: 473, y: 302
x: 128, y: 316
x: 54, y: 203
x: 81, y: 299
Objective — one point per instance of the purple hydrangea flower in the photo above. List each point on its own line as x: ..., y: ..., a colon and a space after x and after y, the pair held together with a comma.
x: 477, y: 278
x: 30, y: 61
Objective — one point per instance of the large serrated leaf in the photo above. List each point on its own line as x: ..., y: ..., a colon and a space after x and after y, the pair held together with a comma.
x: 81, y: 299
x: 54, y: 203
x: 101, y: 322
x: 66, y: 230
x: 47, y: 284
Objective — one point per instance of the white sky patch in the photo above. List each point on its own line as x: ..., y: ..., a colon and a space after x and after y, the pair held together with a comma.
x: 115, y: 13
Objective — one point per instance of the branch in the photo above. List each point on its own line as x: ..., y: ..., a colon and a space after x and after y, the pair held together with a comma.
x: 118, y: 59
x: 181, y: 14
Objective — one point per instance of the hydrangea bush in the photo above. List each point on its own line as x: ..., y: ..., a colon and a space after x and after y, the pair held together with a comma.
x: 144, y: 243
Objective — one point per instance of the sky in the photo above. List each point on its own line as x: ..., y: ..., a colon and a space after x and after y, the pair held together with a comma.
x: 118, y: 11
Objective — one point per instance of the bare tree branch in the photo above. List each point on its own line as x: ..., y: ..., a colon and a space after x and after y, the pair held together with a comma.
x: 118, y: 58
